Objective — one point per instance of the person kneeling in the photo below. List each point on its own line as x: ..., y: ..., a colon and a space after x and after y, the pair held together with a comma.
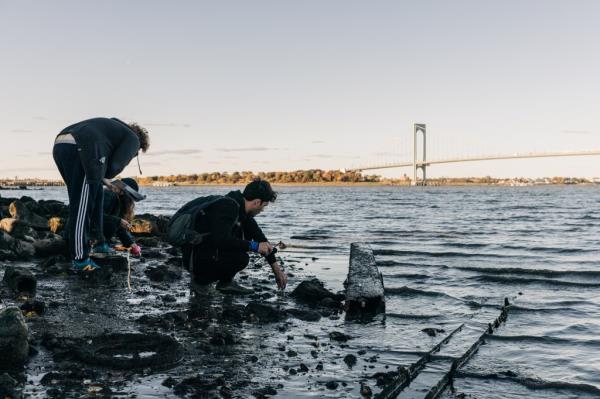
x: 118, y: 213
x: 228, y: 232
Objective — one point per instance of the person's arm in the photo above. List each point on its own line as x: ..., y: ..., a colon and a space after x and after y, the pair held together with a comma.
x: 253, y: 231
x: 125, y: 237
x: 122, y: 155
x: 280, y: 276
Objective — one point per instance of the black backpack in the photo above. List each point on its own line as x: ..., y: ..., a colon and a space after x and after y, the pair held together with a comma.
x: 181, y: 227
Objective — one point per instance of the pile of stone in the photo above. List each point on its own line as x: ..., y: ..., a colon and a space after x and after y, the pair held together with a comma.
x: 31, y: 228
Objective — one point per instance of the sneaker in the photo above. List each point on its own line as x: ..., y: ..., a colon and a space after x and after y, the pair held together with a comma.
x: 86, y: 265
x: 233, y: 288
x: 103, y: 250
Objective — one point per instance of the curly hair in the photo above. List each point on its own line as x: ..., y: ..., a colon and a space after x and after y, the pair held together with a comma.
x: 142, y: 134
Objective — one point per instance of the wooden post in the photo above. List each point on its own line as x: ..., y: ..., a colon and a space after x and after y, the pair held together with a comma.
x: 364, y: 285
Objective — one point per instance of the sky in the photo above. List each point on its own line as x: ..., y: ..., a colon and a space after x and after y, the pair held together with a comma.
x: 285, y: 85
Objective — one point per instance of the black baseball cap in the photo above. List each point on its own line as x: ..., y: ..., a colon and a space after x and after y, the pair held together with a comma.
x: 130, y: 188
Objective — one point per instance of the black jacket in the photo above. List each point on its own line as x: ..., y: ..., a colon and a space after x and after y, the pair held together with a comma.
x: 230, y: 228
x: 113, y: 213
x: 105, y: 146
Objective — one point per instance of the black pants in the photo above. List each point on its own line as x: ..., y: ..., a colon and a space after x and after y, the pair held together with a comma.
x: 85, y: 200
x: 222, y: 266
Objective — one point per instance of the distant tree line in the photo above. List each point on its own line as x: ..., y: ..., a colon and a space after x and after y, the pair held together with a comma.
x: 298, y: 176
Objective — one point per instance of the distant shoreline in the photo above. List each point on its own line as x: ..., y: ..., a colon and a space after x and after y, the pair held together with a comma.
x: 430, y: 183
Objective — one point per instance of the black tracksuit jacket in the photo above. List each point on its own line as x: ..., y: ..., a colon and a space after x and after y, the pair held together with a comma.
x: 105, y: 146
x: 230, y: 228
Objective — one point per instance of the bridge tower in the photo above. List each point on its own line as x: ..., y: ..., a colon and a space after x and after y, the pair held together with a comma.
x: 419, y: 128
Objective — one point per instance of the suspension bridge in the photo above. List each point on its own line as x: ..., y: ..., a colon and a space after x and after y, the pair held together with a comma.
x: 422, y: 163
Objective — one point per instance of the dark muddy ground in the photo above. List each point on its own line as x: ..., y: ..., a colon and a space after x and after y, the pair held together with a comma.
x: 210, y: 344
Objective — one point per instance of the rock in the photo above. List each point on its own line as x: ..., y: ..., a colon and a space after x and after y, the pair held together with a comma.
x: 150, y: 242
x: 51, y: 247
x: 11, y: 248
x: 5, y: 254
x: 168, y: 298
x: 13, y: 339
x: 350, y: 360
x: 264, y: 393
x: 17, y: 228
x: 220, y: 338
x: 57, y: 224
x: 263, y: 313
x: 153, y: 254
x: 48, y: 208
x: 330, y: 303
x: 366, y: 391
x: 9, y: 387
x: 7, y: 244
x: 306, y: 315
x: 332, y: 385
x: 312, y: 292
x: 33, y: 308
x: 20, y: 280
x: 56, y: 265
x: 432, y: 332
x: 6, y: 241
x: 19, y: 210
x: 198, y: 386
x: 292, y: 353
x: 163, y: 273
x: 303, y: 368
x: 338, y: 336
x: 116, y: 262
x: 147, y: 224
x: 23, y: 250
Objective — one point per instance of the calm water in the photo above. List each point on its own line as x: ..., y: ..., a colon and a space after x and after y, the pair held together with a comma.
x: 450, y: 256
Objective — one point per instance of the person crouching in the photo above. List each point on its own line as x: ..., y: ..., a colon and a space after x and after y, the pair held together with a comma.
x: 119, y: 211
x: 230, y: 231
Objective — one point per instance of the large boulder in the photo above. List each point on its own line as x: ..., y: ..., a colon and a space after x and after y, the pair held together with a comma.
x: 13, y: 339
x: 11, y: 248
x: 9, y: 387
x: 313, y: 292
x: 19, y: 210
x: 23, y: 250
x: 57, y: 224
x: 147, y: 224
x: 51, y: 246
x: 48, y: 208
x: 17, y: 228
x: 6, y: 241
x: 20, y: 280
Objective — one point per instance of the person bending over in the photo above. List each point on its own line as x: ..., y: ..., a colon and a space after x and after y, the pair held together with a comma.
x: 119, y: 211
x: 88, y: 154
x: 229, y: 232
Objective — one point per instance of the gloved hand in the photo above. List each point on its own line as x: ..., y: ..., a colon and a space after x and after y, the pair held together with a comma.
x: 135, y: 250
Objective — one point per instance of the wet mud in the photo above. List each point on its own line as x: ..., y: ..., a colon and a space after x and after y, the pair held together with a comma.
x: 89, y: 335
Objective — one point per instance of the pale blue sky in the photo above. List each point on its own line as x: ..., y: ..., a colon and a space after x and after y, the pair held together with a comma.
x: 283, y: 85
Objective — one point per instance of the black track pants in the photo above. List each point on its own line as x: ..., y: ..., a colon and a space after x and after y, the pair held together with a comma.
x: 85, y: 200
x: 222, y: 267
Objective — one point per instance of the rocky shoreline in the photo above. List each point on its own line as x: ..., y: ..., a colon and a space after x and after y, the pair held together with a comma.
x: 73, y: 336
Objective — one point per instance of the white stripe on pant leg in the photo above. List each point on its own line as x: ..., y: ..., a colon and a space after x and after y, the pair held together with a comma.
x: 86, y: 197
x: 80, y: 217
x: 76, y: 234
x: 83, y: 219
